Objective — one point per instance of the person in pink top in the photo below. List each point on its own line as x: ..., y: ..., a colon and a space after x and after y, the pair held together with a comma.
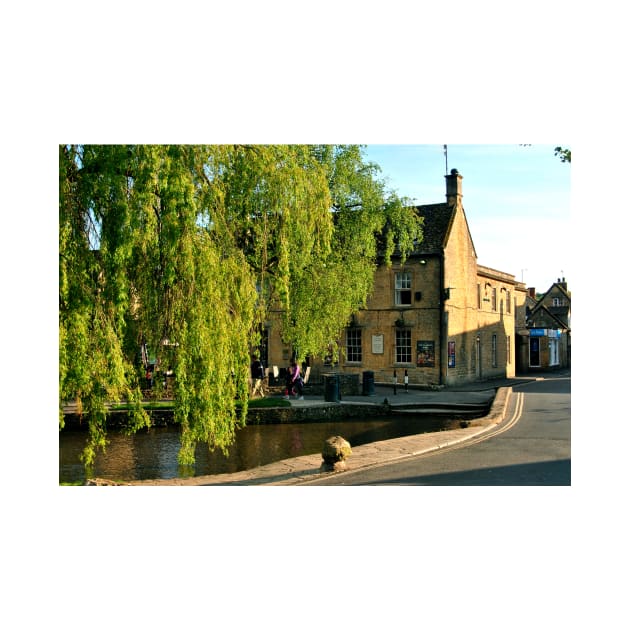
x: 294, y: 381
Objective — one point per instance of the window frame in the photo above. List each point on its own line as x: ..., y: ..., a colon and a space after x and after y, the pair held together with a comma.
x: 399, y: 349
x: 355, y: 349
x: 399, y: 277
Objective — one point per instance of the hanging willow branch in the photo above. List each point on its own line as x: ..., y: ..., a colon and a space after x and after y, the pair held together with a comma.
x: 195, y: 245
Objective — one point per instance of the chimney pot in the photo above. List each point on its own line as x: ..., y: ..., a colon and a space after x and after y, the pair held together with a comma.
x: 453, y: 187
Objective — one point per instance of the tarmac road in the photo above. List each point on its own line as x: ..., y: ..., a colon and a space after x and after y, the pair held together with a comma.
x: 533, y: 447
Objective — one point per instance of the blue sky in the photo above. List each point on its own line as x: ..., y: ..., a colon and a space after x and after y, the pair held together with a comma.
x: 516, y: 199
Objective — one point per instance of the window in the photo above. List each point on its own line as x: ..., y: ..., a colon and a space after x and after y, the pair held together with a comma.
x: 403, y: 288
x: 508, y: 302
x: 478, y: 296
x: 403, y: 346
x: 353, y: 345
x: 509, y: 349
x: 494, y: 298
x: 494, y: 351
x: 534, y: 351
x: 554, y: 357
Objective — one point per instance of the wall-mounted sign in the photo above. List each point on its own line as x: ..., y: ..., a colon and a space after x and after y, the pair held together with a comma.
x: 451, y: 354
x: 537, y: 332
x: 425, y: 353
x: 377, y: 344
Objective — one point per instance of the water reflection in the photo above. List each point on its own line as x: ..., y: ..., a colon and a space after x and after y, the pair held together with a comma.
x: 152, y: 454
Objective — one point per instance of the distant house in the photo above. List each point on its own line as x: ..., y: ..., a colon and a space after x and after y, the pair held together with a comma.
x: 545, y: 341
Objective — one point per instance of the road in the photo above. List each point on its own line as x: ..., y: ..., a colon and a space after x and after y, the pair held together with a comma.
x: 532, y: 447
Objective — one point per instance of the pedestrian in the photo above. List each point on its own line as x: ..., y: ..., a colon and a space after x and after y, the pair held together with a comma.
x: 149, y: 376
x: 257, y: 374
x: 288, y: 383
x: 296, y: 381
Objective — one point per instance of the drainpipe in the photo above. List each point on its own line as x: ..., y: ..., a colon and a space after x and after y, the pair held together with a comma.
x: 441, y: 326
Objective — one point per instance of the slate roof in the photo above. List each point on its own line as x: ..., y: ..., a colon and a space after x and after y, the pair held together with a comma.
x: 559, y: 313
x: 438, y: 219
x: 548, y: 318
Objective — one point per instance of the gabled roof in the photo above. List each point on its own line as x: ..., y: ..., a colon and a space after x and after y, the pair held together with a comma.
x: 530, y: 301
x: 557, y: 285
x: 541, y: 308
x: 560, y: 314
x: 438, y: 221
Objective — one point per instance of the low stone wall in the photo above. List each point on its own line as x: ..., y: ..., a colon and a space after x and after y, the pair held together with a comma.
x: 265, y: 415
x: 349, y: 385
x: 331, y: 411
x: 120, y: 419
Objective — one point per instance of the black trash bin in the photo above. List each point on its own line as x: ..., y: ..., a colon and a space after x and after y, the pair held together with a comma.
x: 331, y: 387
x: 368, y: 383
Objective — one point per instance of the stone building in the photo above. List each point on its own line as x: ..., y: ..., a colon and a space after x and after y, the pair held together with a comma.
x: 545, y: 340
x: 439, y: 318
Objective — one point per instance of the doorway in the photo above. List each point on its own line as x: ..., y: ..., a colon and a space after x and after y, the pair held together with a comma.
x: 534, y: 352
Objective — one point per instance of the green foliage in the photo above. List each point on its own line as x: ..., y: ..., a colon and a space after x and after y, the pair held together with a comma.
x: 563, y: 154
x: 189, y: 248
x: 368, y: 223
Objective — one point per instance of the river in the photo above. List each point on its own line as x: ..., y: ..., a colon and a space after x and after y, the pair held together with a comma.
x: 152, y: 453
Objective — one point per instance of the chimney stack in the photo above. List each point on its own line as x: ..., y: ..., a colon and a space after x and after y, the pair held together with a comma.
x: 453, y: 187
x: 532, y: 292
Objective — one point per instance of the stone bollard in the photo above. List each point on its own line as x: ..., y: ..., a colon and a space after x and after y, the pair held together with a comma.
x: 335, y: 452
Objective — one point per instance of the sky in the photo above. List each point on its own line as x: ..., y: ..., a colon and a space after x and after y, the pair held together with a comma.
x: 516, y: 199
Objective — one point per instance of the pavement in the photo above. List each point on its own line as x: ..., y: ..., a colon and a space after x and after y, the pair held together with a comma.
x: 288, y: 472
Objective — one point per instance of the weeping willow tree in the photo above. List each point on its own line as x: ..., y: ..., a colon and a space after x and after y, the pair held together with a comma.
x: 369, y: 224
x: 187, y: 248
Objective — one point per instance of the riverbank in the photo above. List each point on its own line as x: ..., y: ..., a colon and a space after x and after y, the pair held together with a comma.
x: 295, y: 470
x: 494, y: 394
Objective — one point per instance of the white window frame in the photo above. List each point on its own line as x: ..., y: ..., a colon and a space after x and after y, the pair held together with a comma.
x: 403, y: 351
x: 402, y: 283
x: 554, y: 352
x: 357, y: 350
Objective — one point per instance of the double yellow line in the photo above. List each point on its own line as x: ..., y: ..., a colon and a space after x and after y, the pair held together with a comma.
x: 516, y: 416
x: 486, y: 435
